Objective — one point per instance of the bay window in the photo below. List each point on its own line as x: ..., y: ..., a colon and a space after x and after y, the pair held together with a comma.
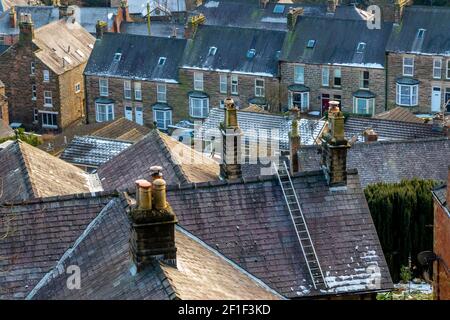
x: 407, y: 95
x: 198, y: 107
x: 299, y: 100
x: 162, y: 117
x: 364, y: 105
x: 104, y: 112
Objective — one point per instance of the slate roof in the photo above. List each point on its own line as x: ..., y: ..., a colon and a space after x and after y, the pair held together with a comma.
x: 201, y: 273
x: 157, y: 29
x: 157, y: 149
x: 436, y: 22
x: 3, y: 48
x: 92, y: 151
x: 399, y: 114
x: 140, y: 6
x: 120, y: 129
x: 36, y: 234
x: 53, y: 50
x: 338, y: 47
x: 27, y: 172
x: 41, y: 16
x: 88, y: 17
x: 252, y: 122
x: 140, y: 57
x: 440, y: 193
x: 249, y: 223
x: 352, y: 12
x: 249, y: 14
x: 389, y: 129
x: 391, y: 161
x: 232, y: 46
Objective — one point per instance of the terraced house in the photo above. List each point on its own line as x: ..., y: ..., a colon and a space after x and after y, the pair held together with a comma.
x: 419, y: 60
x: 227, y: 61
x: 326, y: 58
x: 43, y: 74
x: 135, y: 77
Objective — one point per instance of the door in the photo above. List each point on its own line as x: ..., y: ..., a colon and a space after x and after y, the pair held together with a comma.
x: 139, y: 116
x: 436, y: 100
x: 325, y: 102
x: 129, y: 113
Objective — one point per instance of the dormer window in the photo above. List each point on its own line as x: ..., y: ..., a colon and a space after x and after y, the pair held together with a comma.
x: 251, y: 53
x: 311, y: 43
x: 420, y: 33
x: 117, y: 57
x: 161, y: 61
x: 361, y: 47
x: 212, y: 51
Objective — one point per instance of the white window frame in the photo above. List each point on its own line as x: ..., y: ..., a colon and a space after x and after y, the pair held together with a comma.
x: 369, y: 104
x: 35, y: 115
x: 204, y: 110
x: 127, y: 89
x: 299, y: 77
x: 48, y: 99
x: 223, y: 83
x: 198, y: 81
x: 304, y: 104
x: 362, y: 79
x: 413, y: 97
x: 33, y: 92
x: 46, y: 76
x: 325, y: 76
x: 166, y: 118
x: 106, y: 114
x: 336, y: 72
x: 234, y: 80
x: 437, y: 68
x: 103, y: 87
x: 448, y: 69
x: 54, y: 124
x: 161, y: 92
x: 408, y: 67
x: 260, y: 91
x: 77, y: 87
x: 138, y: 91
x: 33, y: 68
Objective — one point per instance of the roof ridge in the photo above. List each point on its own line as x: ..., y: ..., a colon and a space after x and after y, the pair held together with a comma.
x: 166, y: 151
x: 25, y: 167
x: 167, y: 283
x: 396, y: 121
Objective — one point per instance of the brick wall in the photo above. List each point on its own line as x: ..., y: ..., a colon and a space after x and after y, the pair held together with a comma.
x: 423, y: 71
x: 246, y: 88
x: 350, y: 79
x: 441, y: 285
x: 175, y: 96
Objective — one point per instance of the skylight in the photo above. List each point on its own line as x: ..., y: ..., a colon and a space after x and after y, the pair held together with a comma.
x: 311, y: 43
x: 420, y: 33
x: 212, y: 51
x: 117, y: 57
x: 361, y: 47
x: 161, y: 61
x: 279, y: 8
x: 251, y: 53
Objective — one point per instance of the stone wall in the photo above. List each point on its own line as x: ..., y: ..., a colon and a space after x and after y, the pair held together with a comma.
x: 4, y: 116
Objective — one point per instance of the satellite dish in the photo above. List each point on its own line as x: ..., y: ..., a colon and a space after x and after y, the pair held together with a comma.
x: 425, y: 258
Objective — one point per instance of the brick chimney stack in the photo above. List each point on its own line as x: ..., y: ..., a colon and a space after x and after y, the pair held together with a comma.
x: 370, y: 135
x: 4, y: 114
x: 124, y: 14
x: 230, y: 168
x: 331, y: 6
x: 294, y: 144
x: 152, y: 226
x: 26, y: 27
x: 13, y: 18
x: 334, y: 148
x: 292, y: 17
x: 100, y: 28
x: 192, y: 25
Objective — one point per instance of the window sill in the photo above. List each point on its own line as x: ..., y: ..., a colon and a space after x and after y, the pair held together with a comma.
x: 407, y: 105
x: 49, y: 126
x: 161, y: 101
x: 48, y: 105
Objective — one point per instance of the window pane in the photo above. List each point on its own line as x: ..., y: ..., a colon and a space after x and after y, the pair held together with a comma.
x: 299, y: 74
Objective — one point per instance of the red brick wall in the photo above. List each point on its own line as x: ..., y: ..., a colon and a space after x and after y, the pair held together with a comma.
x: 441, y: 285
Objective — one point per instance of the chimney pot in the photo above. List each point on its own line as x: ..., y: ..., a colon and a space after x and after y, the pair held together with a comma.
x: 143, y: 194
x: 100, y: 28
x: 370, y: 135
x: 156, y: 172
x: 159, y: 194
x: 13, y: 18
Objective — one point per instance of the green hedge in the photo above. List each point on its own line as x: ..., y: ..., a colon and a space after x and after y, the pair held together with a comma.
x: 403, y: 216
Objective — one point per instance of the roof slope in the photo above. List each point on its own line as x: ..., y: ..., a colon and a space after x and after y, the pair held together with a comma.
x: 69, y: 49
x: 436, y: 22
x: 249, y: 223
x: 139, y: 57
x: 119, y: 128
x: 92, y: 151
x: 232, y: 46
x: 180, y: 163
x: 201, y: 273
x: 338, y: 46
x: 399, y: 114
x: 36, y: 234
x: 28, y: 173
x: 391, y: 161
x: 389, y: 129
x: 41, y: 16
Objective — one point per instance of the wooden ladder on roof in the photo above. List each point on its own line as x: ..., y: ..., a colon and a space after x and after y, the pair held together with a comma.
x: 301, y: 229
